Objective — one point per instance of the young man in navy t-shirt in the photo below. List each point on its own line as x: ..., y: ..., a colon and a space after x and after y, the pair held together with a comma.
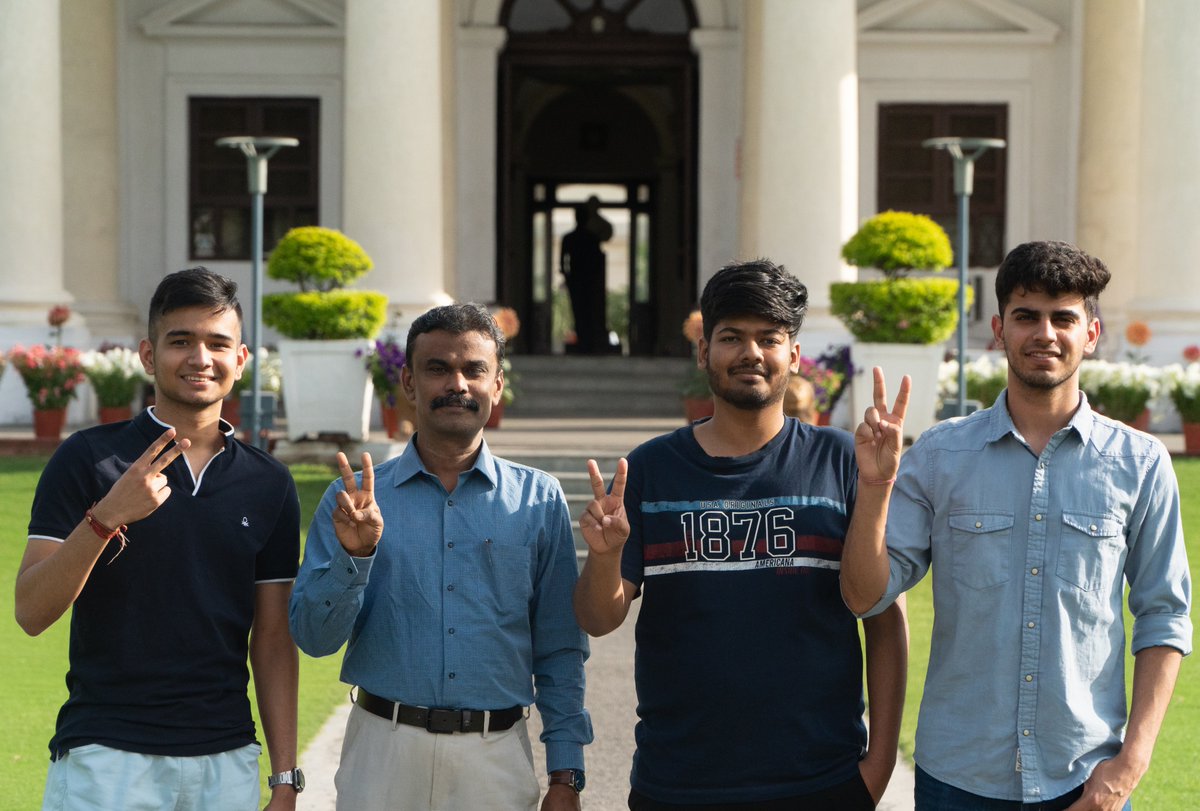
x: 175, y: 547
x: 748, y: 665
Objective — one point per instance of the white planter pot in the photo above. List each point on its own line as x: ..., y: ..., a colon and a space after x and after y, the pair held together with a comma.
x: 918, y: 361
x: 326, y: 388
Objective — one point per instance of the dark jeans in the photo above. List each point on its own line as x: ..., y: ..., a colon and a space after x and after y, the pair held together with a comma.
x: 851, y: 795
x: 934, y: 795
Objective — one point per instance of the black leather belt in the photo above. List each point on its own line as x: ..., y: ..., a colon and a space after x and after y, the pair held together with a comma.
x: 435, y: 719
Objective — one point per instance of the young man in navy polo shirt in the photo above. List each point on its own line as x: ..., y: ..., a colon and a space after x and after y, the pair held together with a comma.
x: 176, y: 545
x: 748, y: 671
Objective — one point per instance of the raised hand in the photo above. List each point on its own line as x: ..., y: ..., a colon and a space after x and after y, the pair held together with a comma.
x: 142, y: 488
x: 357, y: 521
x: 880, y: 435
x: 604, y: 524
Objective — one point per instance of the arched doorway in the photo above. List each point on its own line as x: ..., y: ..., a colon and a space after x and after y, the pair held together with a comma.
x: 597, y: 99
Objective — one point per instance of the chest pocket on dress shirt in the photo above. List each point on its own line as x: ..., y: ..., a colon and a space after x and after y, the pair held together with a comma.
x: 505, y: 569
x: 1090, y: 550
x: 982, y: 548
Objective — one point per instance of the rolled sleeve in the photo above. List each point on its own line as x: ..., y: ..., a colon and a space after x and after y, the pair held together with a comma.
x: 1160, y: 586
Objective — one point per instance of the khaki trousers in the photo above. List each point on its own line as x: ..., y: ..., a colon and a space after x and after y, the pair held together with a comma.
x: 405, y: 768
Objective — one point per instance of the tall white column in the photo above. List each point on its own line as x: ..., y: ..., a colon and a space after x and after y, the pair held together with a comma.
x: 800, y: 143
x: 477, y: 50
x: 31, y: 170
x: 394, y: 192
x: 720, y: 103
x: 90, y: 150
x: 1168, y: 290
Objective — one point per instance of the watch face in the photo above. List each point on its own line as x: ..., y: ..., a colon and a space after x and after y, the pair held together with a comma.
x: 578, y: 780
x: 298, y: 779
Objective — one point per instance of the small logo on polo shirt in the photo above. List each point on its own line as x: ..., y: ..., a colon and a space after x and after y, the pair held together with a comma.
x: 245, y: 521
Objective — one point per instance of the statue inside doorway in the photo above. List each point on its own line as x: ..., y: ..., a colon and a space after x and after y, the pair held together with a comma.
x: 583, y: 264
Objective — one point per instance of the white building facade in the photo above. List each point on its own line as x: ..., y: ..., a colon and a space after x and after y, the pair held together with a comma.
x: 444, y: 135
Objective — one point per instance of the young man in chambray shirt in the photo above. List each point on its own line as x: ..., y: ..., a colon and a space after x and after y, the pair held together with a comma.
x: 1034, y: 515
x: 452, y: 583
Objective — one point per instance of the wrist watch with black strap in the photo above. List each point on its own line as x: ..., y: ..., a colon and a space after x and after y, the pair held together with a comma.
x: 292, y: 777
x: 568, y: 777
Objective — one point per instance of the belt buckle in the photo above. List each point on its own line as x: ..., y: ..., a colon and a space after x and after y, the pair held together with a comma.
x: 443, y: 720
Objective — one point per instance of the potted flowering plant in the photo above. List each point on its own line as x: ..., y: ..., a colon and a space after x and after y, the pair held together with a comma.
x: 383, y: 361
x: 986, y: 378
x: 827, y: 385
x: 1183, y: 385
x: 1121, y: 390
x: 116, y: 374
x: 52, y: 378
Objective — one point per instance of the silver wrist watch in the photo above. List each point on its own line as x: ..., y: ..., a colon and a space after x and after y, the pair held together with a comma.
x: 293, y: 778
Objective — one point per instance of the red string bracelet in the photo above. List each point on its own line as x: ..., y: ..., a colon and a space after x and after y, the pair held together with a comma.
x: 106, y: 534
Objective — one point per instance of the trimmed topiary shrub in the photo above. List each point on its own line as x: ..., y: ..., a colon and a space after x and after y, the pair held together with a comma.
x: 321, y: 261
x: 330, y: 316
x: 898, y: 311
x: 896, y: 241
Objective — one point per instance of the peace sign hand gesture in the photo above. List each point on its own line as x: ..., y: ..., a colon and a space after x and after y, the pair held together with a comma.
x: 142, y: 488
x: 880, y: 435
x: 604, y: 524
x: 357, y: 521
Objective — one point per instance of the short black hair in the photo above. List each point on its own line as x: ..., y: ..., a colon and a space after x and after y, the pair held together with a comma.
x: 194, y: 287
x: 758, y: 288
x: 1053, y: 268
x: 456, y: 319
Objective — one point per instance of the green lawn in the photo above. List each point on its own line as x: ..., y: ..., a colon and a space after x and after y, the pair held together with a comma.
x: 1173, y: 781
x: 33, y: 668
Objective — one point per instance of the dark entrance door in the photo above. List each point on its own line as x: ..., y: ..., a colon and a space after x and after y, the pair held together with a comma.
x: 609, y: 115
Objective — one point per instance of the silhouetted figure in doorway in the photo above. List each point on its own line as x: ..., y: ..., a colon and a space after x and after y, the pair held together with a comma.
x: 583, y: 265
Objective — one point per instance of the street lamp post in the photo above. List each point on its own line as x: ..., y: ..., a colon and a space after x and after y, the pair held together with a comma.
x: 258, y: 150
x: 965, y: 152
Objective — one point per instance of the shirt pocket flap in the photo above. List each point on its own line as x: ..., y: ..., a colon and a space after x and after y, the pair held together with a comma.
x: 1097, y: 526
x: 981, y: 522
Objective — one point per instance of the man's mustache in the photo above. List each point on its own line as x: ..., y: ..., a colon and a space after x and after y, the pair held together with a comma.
x: 460, y: 400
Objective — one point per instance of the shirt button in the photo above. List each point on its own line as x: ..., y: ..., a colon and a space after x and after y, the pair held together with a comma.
x: 349, y: 570
x: 1041, y: 465
x: 1092, y: 527
x: 450, y: 502
x: 450, y: 587
x: 450, y: 545
x: 452, y: 676
x: 1037, y: 517
x: 451, y: 632
x: 1028, y: 677
x: 1033, y: 571
x: 978, y: 524
x: 1024, y: 732
x: 1030, y: 624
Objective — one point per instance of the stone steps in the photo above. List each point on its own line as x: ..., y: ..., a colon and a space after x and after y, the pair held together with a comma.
x: 600, y: 386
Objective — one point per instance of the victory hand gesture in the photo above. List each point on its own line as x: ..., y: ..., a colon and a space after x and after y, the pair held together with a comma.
x: 357, y: 521
x: 603, y: 523
x: 880, y: 435
x: 142, y: 488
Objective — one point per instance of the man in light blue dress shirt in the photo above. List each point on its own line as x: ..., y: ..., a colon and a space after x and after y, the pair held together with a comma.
x: 449, y: 572
x: 1034, y: 514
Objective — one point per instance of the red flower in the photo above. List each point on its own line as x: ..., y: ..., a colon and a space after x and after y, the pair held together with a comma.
x: 1137, y: 333
x: 58, y: 315
x: 1191, y: 353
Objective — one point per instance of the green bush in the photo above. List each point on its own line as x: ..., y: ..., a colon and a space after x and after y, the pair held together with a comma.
x: 328, y: 316
x: 896, y: 241
x: 318, y: 259
x: 902, y: 311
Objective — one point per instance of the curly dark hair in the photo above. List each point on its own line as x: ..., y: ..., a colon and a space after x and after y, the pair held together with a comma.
x: 1052, y: 268
x: 456, y: 319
